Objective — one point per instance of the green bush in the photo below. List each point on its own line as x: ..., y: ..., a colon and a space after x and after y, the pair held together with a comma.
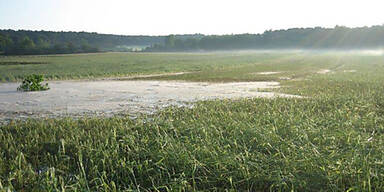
x: 33, y: 83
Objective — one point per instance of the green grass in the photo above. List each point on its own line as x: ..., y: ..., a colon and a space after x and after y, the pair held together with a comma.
x: 121, y: 64
x: 333, y: 140
x: 215, y: 67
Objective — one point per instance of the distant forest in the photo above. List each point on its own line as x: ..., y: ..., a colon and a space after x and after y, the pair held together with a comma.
x: 297, y: 38
x: 47, y: 42
x: 23, y: 42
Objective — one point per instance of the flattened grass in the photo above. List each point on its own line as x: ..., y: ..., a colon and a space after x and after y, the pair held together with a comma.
x: 330, y: 141
x: 257, y: 144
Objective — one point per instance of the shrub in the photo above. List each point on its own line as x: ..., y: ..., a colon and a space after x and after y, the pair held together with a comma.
x: 33, y: 83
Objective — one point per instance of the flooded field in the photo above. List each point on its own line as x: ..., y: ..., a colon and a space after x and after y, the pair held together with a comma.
x: 105, y: 98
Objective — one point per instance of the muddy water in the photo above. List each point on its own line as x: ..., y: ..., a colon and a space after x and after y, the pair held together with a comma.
x: 105, y: 98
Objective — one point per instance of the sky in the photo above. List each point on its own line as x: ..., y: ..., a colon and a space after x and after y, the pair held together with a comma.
x: 163, y: 17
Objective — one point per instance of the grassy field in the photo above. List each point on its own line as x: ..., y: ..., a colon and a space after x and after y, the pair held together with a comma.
x: 332, y: 140
x: 221, y: 66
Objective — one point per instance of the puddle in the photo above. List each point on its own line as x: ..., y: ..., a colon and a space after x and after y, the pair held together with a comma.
x: 324, y: 71
x: 285, y: 78
x: 106, y: 98
x: 268, y: 73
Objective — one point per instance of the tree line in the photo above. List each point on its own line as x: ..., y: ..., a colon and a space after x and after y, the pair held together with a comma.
x: 338, y: 37
x: 24, y: 42
x: 47, y: 42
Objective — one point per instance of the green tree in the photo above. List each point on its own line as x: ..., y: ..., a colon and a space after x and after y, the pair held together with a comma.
x: 42, y: 43
x: 170, y: 41
x: 5, y: 42
x: 71, y: 47
x: 2, y: 42
x: 27, y: 43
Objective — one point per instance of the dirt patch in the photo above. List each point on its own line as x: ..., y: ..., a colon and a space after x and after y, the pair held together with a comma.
x: 106, y: 98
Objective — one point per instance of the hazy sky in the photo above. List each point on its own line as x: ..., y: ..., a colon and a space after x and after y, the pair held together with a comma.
x: 160, y: 17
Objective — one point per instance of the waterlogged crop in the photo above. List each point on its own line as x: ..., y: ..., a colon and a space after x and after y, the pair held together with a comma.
x: 33, y: 83
x: 330, y: 140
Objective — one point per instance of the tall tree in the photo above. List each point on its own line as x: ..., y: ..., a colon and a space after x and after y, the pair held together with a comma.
x: 170, y: 41
x: 26, y: 43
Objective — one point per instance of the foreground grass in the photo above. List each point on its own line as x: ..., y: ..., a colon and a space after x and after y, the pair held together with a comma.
x: 330, y: 141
